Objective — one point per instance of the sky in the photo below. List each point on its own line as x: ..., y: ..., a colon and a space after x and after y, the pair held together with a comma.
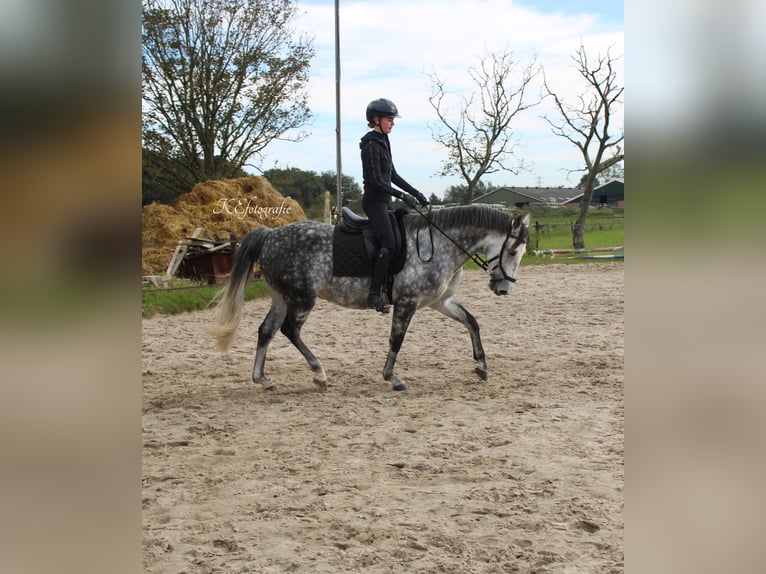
x: 389, y: 48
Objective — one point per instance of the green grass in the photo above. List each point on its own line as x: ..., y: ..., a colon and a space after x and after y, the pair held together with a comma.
x: 189, y: 297
x: 603, y: 228
x: 562, y: 239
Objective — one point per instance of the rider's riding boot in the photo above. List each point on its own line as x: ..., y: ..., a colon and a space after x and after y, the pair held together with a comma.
x: 375, y: 300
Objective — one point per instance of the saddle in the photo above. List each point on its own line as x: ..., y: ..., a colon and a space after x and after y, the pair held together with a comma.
x: 354, y: 246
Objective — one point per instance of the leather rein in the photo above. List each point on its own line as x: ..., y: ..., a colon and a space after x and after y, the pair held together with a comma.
x: 520, y: 239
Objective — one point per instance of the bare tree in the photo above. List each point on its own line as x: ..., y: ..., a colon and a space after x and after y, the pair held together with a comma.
x: 587, y: 125
x: 477, y: 133
x: 221, y: 80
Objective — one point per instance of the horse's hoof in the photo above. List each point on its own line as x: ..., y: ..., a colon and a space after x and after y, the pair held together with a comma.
x: 399, y: 387
x: 321, y: 385
x: 482, y: 373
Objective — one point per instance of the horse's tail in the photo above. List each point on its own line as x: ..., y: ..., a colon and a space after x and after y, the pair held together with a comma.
x: 232, y: 297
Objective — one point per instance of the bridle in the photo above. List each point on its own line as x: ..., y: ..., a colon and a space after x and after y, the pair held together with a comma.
x: 520, y: 239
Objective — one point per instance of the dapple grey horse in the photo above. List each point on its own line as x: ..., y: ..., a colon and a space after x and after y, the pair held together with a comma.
x: 296, y: 264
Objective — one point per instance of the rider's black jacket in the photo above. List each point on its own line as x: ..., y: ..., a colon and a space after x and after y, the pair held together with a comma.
x: 378, y: 172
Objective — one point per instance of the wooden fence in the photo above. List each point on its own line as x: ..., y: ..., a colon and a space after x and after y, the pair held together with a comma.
x: 542, y: 229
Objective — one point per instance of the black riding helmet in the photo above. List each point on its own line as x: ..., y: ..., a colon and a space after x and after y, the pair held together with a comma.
x: 381, y: 107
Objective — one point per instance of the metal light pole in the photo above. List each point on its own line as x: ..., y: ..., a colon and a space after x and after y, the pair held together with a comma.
x: 338, y: 162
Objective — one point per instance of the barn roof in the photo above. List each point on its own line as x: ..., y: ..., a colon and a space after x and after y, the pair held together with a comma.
x: 614, y: 187
x: 525, y: 195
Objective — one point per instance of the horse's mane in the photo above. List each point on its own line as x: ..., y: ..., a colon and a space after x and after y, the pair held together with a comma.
x: 464, y: 216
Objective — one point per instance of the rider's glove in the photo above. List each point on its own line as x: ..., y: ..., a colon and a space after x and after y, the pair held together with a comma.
x: 409, y: 200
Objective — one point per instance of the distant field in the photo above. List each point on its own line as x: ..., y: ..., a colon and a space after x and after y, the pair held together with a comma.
x: 552, y: 229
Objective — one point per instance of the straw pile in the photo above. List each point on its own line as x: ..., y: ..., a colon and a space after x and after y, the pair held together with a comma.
x: 220, y: 208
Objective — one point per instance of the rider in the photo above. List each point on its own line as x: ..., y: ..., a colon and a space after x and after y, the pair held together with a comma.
x: 378, y: 173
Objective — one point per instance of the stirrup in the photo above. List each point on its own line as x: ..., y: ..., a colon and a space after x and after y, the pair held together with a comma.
x: 384, y: 306
x: 378, y: 302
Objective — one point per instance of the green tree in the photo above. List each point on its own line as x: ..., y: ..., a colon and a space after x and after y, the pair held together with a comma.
x: 435, y: 199
x: 221, y: 80
x: 155, y: 185
x: 308, y: 188
x: 162, y: 180
x: 305, y: 187
x: 352, y: 191
x: 457, y: 193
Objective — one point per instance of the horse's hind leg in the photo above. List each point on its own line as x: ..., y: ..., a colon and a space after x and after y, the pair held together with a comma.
x: 266, y: 331
x: 291, y: 328
x: 454, y: 310
x: 403, y: 313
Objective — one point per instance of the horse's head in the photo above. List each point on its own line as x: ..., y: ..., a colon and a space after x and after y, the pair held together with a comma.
x: 504, y: 255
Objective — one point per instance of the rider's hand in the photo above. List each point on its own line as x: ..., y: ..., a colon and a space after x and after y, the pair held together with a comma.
x: 422, y: 199
x: 409, y: 200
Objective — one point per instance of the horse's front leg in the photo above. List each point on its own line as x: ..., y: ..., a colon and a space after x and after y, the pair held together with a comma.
x: 454, y: 310
x: 403, y: 312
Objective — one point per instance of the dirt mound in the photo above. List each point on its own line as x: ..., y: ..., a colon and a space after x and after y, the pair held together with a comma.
x: 220, y: 207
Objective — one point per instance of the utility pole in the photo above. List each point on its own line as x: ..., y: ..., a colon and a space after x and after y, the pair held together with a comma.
x: 338, y: 162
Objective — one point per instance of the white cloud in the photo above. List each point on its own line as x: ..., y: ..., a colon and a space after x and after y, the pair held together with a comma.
x: 389, y: 47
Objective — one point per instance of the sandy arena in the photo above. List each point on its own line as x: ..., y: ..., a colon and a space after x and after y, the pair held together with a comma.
x: 522, y: 473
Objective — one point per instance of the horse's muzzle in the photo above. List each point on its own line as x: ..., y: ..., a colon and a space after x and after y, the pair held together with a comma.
x: 501, y: 287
